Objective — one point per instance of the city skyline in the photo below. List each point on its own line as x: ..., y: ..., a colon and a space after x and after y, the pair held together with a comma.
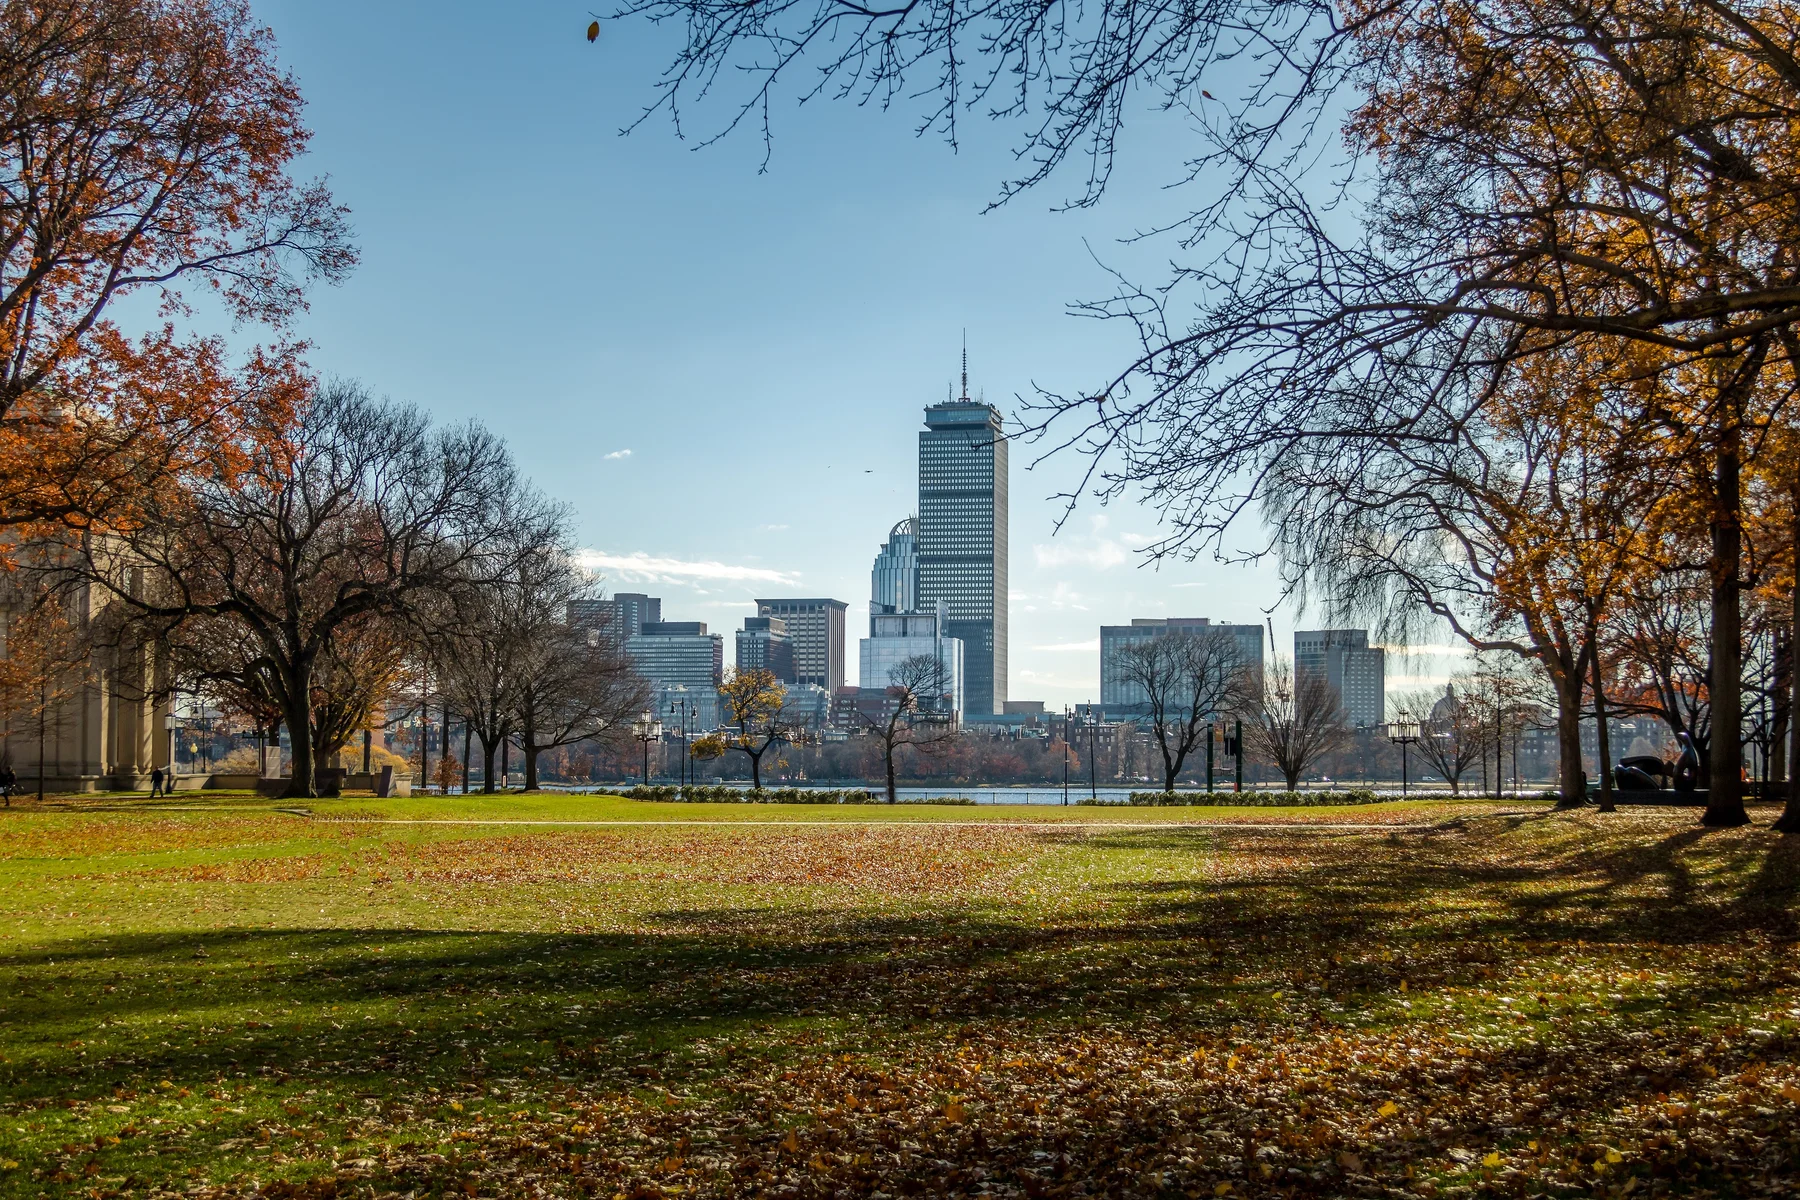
x: 583, y: 370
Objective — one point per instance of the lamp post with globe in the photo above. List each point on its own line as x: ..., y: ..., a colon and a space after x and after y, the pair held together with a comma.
x: 1403, y: 733
x: 647, y: 729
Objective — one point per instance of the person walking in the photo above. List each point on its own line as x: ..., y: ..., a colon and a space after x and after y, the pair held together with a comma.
x: 156, y: 784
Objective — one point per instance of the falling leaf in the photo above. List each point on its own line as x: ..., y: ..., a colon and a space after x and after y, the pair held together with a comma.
x: 594, y: 31
x: 1613, y: 1156
x: 1388, y: 1108
x: 953, y: 1112
x: 1492, y: 1159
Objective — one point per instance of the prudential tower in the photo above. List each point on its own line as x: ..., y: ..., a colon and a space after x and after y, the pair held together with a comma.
x: 962, y: 537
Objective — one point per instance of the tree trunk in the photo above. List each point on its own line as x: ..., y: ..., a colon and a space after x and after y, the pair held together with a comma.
x: 1602, y: 739
x: 467, y: 736
x: 1725, y: 788
x: 300, y: 731
x: 487, y: 766
x: 755, y: 771
x: 1568, y: 738
x: 1790, y: 814
x: 893, y: 796
x: 297, y: 715
x: 1776, y: 767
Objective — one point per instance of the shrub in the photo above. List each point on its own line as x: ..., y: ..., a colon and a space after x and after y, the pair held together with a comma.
x: 717, y: 793
x: 1245, y: 799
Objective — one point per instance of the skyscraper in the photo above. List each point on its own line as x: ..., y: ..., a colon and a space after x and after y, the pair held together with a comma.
x: 895, y: 637
x: 894, y: 581
x: 620, y: 616
x: 816, y: 629
x: 962, y: 532
x: 763, y: 645
x: 682, y: 661
x: 1119, y: 695
x: 1356, y: 671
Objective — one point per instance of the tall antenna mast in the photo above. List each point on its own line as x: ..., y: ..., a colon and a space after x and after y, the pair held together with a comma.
x: 965, y: 374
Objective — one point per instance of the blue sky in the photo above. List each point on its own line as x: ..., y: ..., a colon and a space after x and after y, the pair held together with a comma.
x: 722, y: 370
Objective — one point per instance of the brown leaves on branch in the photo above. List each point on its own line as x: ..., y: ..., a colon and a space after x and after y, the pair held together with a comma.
x: 144, y: 147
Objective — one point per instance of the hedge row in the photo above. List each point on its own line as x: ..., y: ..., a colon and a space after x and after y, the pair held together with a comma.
x: 701, y: 793
x: 1245, y: 799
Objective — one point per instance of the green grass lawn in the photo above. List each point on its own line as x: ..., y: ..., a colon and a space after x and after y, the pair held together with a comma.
x: 570, y: 995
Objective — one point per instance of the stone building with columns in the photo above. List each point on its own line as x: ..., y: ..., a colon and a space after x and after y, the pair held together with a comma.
x: 109, y: 727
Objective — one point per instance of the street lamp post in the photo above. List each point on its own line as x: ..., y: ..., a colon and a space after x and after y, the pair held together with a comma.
x: 646, y: 729
x: 1403, y: 734
x: 1093, y: 724
x: 1065, y: 758
x: 680, y: 705
x: 1209, y: 758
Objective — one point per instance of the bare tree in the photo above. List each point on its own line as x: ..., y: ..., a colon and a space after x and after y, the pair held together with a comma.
x: 1449, y: 731
x: 1523, y: 179
x: 911, y: 716
x: 358, y: 510
x: 1187, y: 677
x: 571, y: 683
x: 1296, y: 718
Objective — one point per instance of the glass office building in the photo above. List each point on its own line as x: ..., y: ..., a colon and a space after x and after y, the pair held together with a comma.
x: 962, y: 538
x: 894, y: 582
x: 1119, y: 696
x: 1356, y: 671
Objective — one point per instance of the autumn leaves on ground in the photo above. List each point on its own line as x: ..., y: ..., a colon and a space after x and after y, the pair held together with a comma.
x: 1423, y: 999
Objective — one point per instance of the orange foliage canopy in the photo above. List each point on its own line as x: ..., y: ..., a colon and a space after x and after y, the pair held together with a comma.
x: 145, y: 145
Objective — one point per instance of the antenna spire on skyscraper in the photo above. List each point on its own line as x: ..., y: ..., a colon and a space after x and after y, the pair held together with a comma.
x: 965, y: 375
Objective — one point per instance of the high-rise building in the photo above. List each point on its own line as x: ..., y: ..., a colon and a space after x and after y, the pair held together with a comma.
x: 682, y: 661
x: 962, y: 531
x: 620, y: 616
x: 816, y: 629
x: 763, y: 645
x: 1120, y: 695
x: 1356, y: 671
x: 894, y: 582
x: 895, y: 637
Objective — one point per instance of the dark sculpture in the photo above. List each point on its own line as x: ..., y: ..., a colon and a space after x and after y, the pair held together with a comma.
x: 1687, y: 767
x: 1641, y: 773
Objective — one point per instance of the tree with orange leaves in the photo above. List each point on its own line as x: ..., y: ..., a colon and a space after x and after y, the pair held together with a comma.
x: 145, y: 146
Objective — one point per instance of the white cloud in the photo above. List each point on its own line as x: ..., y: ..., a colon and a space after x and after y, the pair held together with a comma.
x: 1091, y: 645
x: 638, y: 567
x: 770, y: 528
x: 619, y: 454
x: 1098, y: 554
x: 1097, y: 550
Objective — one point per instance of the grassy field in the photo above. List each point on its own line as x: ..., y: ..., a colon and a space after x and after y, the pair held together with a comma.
x: 572, y: 996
